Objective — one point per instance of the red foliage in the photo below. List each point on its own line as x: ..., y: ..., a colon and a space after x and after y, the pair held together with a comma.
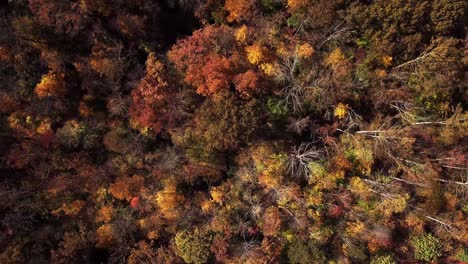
x: 46, y: 139
x: 63, y: 16
x: 335, y: 211
x: 246, y: 82
x: 214, y: 76
x: 210, y: 62
x: 154, y: 102
x: 135, y: 202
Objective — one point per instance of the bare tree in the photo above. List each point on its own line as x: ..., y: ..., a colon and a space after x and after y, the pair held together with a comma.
x: 336, y: 34
x: 299, y: 159
x: 298, y: 125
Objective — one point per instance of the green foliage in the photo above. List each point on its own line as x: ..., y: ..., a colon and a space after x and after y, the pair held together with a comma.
x: 294, y: 21
x: 462, y: 255
x: 362, y: 42
x: 426, y: 248
x: 276, y: 109
x: 300, y: 252
x: 193, y: 247
x: 270, y: 6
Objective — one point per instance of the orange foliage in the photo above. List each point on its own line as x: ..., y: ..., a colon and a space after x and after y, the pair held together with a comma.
x: 246, y: 82
x: 105, y: 214
x: 153, y: 101
x: 214, y: 76
x: 239, y: 9
x: 125, y: 188
x: 105, y: 235
x: 71, y: 209
x: 210, y: 61
x: 297, y: 4
x: 51, y: 85
x: 271, y: 221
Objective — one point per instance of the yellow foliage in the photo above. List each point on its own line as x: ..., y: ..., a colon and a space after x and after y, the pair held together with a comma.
x: 44, y: 127
x: 168, y: 200
x: 254, y: 53
x: 218, y: 194
x: 314, y: 198
x: 269, y: 69
x: 105, y: 214
x: 335, y: 57
x: 338, y: 62
x: 387, y: 60
x: 305, y: 51
x: 281, y: 50
x: 415, y: 223
x: 269, y: 165
x: 396, y: 205
x: 358, y: 186
x: 72, y: 208
x: 341, y: 110
x: 355, y: 228
x: 207, y: 206
x: 241, y: 34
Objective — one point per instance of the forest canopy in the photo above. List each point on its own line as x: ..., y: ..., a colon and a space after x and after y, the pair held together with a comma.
x: 233, y: 131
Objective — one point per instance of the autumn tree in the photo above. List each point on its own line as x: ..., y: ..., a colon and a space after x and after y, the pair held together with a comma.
x: 125, y: 188
x: 226, y: 122
x: 51, y: 85
x: 194, y: 246
x: 169, y: 200
x: 239, y: 10
x: 156, y: 101
x: 210, y: 61
x: 271, y: 221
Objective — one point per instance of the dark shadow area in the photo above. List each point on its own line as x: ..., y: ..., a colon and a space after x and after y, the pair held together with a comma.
x: 176, y: 22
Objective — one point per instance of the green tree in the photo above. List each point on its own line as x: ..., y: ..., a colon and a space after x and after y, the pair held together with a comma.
x: 194, y: 246
x: 300, y: 252
x: 426, y: 248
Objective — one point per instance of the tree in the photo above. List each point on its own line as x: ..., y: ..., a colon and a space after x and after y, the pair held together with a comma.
x: 155, y: 101
x: 271, y: 221
x: 63, y: 17
x: 197, y: 58
x: 51, y: 85
x: 125, y: 188
x: 239, y: 10
x: 168, y: 200
x: 426, y: 248
x: 227, y: 122
x: 193, y: 246
x: 211, y: 62
x: 300, y: 252
x: 143, y: 254
x: 383, y: 260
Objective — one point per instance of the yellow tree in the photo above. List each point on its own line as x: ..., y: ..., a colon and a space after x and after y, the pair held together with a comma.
x: 168, y: 200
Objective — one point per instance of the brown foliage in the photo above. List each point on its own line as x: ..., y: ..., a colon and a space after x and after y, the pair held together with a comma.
x: 154, y: 101
x: 125, y: 188
x: 271, y: 221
